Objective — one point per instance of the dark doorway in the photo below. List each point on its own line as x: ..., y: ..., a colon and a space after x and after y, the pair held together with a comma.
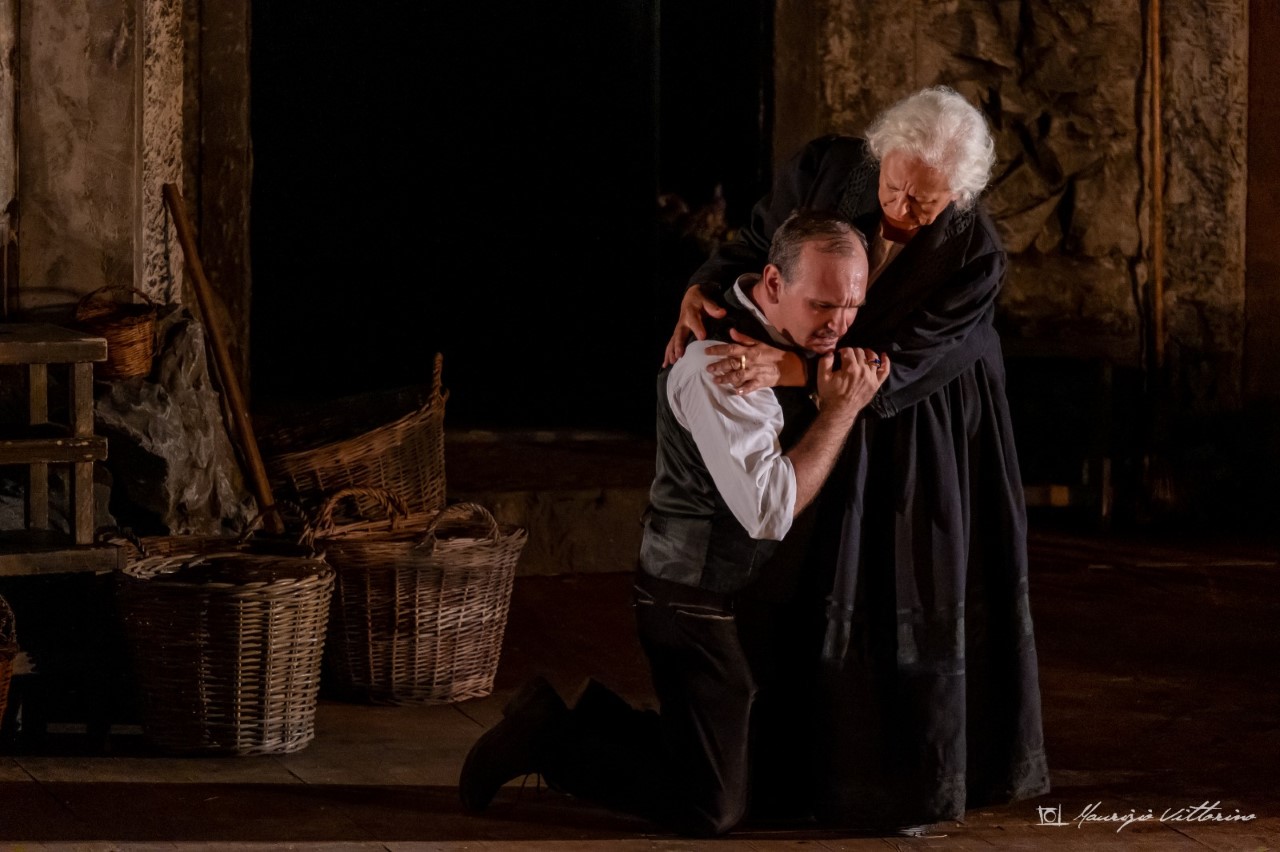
x: 481, y: 180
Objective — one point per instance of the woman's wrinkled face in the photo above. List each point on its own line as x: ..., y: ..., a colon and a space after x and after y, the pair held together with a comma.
x: 912, y: 194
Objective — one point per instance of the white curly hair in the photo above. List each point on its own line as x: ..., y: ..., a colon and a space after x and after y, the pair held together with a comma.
x: 946, y: 132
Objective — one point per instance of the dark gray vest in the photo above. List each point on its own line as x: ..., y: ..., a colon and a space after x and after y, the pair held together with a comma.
x: 690, y: 535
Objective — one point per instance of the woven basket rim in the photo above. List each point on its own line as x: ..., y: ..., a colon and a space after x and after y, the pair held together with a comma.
x: 112, y: 312
x: 173, y: 545
x: 284, y: 570
x: 413, y: 526
x: 410, y: 528
x: 428, y: 409
x: 443, y: 546
x: 119, y: 322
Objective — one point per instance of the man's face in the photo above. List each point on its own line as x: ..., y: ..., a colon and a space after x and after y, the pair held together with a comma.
x: 912, y: 194
x: 824, y: 295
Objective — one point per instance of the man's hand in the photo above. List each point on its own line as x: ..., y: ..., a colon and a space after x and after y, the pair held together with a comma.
x: 845, y: 391
x: 748, y: 365
x: 689, y: 323
x: 842, y: 393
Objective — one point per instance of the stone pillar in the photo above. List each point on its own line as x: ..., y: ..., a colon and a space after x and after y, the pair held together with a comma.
x: 1262, y: 264
x: 797, y: 75
x: 160, y: 264
x: 97, y: 136
x: 224, y: 163
x: 1206, y: 81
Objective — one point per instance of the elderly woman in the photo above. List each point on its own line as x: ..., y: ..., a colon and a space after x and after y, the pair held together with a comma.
x: 928, y: 699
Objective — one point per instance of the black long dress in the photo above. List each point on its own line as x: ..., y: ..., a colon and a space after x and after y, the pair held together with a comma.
x: 927, y: 696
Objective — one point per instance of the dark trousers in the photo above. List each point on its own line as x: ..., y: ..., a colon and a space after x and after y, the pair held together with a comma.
x: 686, y: 765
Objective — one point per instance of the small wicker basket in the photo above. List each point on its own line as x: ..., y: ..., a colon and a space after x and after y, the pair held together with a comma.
x: 129, y: 329
x: 227, y: 649
x: 405, y: 457
x: 420, y: 602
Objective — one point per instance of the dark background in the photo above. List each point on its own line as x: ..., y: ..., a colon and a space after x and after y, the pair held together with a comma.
x: 481, y: 180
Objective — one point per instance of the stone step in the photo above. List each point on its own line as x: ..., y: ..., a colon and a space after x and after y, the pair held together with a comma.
x: 579, y: 494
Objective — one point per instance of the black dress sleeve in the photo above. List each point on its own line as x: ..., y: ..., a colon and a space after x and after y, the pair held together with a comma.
x: 944, y: 336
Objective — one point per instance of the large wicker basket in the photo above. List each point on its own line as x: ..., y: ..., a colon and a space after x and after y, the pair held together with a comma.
x: 420, y: 603
x: 127, y: 326
x: 404, y: 456
x: 227, y: 649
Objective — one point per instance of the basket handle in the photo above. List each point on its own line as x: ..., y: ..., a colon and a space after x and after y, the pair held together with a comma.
x: 89, y: 298
x: 120, y: 536
x: 392, y: 505
x: 460, y: 512
x: 257, y: 522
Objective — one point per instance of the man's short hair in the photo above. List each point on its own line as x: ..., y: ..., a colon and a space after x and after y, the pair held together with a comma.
x: 833, y: 234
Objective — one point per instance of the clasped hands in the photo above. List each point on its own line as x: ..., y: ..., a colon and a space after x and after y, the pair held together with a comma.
x: 748, y: 364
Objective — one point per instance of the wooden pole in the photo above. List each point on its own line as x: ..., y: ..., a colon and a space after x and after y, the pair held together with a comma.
x: 242, y: 426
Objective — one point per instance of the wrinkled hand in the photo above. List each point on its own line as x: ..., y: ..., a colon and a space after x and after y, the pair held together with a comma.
x: 746, y: 364
x: 692, y: 307
x: 847, y: 390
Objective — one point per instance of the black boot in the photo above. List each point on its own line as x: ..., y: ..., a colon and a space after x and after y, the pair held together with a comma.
x: 514, y: 746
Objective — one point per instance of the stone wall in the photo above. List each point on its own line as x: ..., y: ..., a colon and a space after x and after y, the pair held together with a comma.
x: 1063, y: 86
x: 8, y: 149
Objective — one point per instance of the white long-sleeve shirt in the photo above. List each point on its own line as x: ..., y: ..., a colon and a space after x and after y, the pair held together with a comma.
x: 738, y: 436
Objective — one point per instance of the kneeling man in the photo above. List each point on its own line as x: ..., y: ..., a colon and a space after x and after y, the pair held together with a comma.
x: 733, y: 472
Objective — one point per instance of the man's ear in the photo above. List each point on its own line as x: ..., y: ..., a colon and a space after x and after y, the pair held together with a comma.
x: 772, y: 283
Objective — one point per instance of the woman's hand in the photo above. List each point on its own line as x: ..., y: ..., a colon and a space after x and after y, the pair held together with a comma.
x: 747, y: 364
x: 847, y: 390
x: 692, y: 307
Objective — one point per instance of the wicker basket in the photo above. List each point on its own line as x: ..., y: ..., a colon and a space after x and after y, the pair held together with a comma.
x: 8, y: 650
x: 129, y: 329
x: 420, y: 603
x: 227, y: 649
x: 405, y: 457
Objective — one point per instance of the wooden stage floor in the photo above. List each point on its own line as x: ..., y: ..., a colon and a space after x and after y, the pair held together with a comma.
x: 1160, y: 683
